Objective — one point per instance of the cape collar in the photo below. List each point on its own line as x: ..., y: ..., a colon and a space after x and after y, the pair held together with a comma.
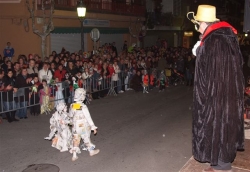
x: 215, y: 27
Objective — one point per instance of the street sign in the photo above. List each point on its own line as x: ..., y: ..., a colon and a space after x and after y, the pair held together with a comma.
x: 95, y: 34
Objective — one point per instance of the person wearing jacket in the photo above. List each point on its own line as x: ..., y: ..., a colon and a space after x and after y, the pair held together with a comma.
x: 23, y: 82
x: 8, y: 51
x: 9, y: 104
x: 45, y: 73
x: 115, y: 78
x: 60, y: 72
x: 32, y: 69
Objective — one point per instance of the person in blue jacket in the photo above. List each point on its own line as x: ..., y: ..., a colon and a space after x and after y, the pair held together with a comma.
x: 8, y: 51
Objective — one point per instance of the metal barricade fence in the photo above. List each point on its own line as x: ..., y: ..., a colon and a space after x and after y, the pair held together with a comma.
x: 96, y: 86
x: 109, y: 85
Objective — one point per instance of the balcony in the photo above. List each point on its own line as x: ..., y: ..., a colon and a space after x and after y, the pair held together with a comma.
x: 10, y: 1
x: 119, y: 8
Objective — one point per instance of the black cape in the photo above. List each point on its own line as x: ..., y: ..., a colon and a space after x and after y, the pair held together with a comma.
x: 218, y: 124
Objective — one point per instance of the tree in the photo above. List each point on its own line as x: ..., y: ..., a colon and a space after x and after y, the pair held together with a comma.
x: 138, y: 31
x: 47, y: 20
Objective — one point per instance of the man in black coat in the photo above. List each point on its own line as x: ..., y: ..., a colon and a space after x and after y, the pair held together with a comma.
x: 8, y: 92
x: 136, y: 82
x: 218, y: 124
x: 23, y: 82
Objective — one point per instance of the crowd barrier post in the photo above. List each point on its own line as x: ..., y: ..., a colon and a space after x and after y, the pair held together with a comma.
x: 112, y: 88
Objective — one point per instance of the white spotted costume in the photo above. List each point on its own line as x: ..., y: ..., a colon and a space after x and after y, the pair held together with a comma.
x: 82, y: 125
x: 60, y: 129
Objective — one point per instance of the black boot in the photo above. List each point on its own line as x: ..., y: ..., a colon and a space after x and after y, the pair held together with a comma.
x: 8, y: 116
x: 13, y: 116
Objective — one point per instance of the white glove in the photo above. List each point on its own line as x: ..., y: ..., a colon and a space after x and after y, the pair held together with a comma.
x: 47, y: 138
x: 51, y: 135
x: 195, y: 47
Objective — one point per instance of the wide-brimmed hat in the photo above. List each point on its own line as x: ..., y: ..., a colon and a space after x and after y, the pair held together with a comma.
x: 205, y: 13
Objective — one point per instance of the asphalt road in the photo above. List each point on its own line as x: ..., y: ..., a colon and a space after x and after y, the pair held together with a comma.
x: 137, y: 133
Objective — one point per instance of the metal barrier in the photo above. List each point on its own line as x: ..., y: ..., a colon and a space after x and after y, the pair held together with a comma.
x: 28, y: 97
x: 95, y: 85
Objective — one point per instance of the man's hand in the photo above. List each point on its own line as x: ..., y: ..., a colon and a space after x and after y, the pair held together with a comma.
x: 47, y: 138
x: 28, y: 80
x: 95, y: 131
x: 15, y: 90
x: 9, y: 87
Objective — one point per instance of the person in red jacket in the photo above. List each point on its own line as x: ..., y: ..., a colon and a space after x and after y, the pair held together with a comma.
x: 60, y: 72
x: 145, y: 81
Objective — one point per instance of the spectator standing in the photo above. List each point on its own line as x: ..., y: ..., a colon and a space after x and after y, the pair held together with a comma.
x: 71, y: 69
x: 87, y: 77
x: 45, y: 73
x: 78, y: 65
x: 22, y: 60
x: 1, y: 91
x: 16, y: 69
x: 8, y: 96
x: 32, y: 69
x: 8, y: 66
x: 123, y: 74
x: 22, y: 82
x: 8, y: 51
x: 95, y: 83
x: 136, y: 82
x: 57, y: 60
x: 104, y: 74
x: 34, y: 97
x: 4, y: 63
x: 115, y: 78
x: 60, y: 72
x: 52, y: 68
x: 66, y: 84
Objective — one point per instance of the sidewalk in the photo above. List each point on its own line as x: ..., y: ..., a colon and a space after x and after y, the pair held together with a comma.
x: 240, y: 164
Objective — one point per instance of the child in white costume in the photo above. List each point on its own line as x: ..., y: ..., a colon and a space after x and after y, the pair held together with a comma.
x: 59, y: 123
x: 82, y: 125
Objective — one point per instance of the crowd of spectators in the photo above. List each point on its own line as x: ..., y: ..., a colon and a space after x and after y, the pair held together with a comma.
x: 24, y: 79
x: 97, y: 72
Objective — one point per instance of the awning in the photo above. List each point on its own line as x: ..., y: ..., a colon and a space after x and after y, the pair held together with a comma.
x: 103, y: 30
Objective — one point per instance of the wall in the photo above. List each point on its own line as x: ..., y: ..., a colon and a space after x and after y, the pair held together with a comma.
x: 153, y: 35
x: 25, y: 42
x: 12, y: 17
x: 167, y: 6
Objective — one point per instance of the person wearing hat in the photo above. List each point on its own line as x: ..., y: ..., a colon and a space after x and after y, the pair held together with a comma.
x: 218, y: 129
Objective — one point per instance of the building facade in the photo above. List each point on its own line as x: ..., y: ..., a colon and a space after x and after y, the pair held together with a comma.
x: 112, y: 18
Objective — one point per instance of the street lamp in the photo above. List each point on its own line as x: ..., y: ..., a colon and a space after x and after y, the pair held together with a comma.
x: 81, y: 12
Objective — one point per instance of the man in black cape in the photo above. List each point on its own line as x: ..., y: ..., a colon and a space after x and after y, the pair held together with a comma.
x: 218, y: 124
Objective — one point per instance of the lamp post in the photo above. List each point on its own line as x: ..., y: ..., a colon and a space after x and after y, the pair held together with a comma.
x: 81, y: 12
